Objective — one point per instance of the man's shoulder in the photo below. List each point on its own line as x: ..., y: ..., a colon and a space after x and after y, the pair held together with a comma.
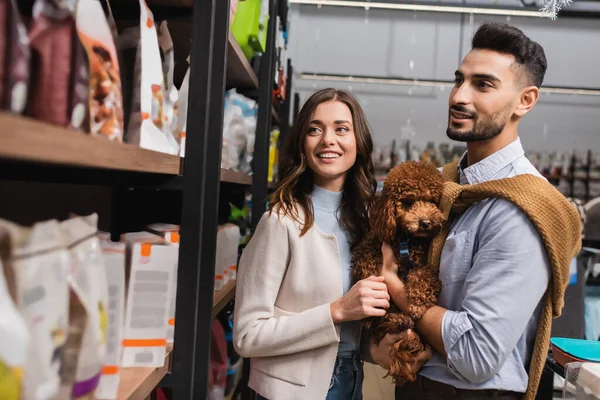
x: 523, y: 166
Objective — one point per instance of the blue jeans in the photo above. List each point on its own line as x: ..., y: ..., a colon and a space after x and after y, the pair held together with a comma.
x: 346, y: 381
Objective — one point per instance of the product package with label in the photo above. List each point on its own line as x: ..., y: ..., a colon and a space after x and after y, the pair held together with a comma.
x: 14, y: 59
x: 151, y: 263
x: 41, y: 263
x: 170, y: 101
x: 239, y: 126
x: 105, y: 99
x: 182, y: 104
x: 171, y: 234
x: 114, y: 263
x: 145, y: 89
x: 88, y: 283
x: 228, y: 237
x: 14, y: 336
x: 59, y: 84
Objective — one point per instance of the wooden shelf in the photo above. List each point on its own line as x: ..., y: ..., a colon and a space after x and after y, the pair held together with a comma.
x: 138, y: 383
x: 235, y: 177
x: 25, y: 139
x: 239, y: 71
x: 222, y: 297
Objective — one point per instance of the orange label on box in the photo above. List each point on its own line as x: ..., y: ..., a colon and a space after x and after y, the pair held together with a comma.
x: 174, y: 237
x: 110, y: 370
x: 144, y: 342
x: 172, y: 322
x: 146, y: 250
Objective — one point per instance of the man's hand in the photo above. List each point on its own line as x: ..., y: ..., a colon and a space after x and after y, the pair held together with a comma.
x: 381, y: 352
x: 394, y: 284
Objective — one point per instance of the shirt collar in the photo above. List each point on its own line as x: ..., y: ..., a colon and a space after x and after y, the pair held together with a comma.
x: 487, y: 168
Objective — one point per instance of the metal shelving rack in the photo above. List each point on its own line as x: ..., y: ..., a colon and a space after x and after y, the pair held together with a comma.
x: 34, y: 151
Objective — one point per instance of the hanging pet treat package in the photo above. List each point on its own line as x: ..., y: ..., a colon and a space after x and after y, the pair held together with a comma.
x: 59, y: 84
x: 14, y: 336
x: 182, y: 104
x: 88, y: 279
x: 239, y: 126
x: 145, y: 91
x: 170, y: 106
x: 231, y: 255
x: 113, y: 254
x: 105, y: 99
x: 151, y: 263
x: 14, y: 59
x: 220, y: 258
x: 171, y: 234
x: 41, y: 263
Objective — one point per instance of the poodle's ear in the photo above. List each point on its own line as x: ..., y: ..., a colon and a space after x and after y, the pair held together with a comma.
x: 383, y: 218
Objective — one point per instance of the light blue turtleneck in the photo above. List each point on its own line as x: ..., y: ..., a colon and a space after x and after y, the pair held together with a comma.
x: 326, y: 208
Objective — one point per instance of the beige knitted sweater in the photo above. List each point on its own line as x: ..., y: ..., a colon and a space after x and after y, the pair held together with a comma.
x: 558, y: 224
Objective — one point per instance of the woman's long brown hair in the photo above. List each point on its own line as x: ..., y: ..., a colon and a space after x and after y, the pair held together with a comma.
x: 296, y: 179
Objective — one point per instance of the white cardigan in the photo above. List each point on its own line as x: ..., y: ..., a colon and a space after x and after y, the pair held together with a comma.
x: 282, y: 318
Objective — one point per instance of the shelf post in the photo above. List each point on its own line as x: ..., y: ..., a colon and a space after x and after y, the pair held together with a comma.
x: 263, y: 124
x: 201, y: 181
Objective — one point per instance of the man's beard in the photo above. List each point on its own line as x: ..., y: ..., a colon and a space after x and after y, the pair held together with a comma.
x: 481, y: 130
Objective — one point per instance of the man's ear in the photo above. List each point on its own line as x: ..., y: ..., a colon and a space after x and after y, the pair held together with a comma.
x: 528, y: 99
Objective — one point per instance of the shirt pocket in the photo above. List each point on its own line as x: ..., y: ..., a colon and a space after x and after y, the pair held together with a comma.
x: 455, y: 261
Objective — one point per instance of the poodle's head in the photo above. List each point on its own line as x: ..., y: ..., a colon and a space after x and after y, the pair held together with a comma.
x: 409, y: 202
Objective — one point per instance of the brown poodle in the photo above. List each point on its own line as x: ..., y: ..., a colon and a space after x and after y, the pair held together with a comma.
x: 406, y: 216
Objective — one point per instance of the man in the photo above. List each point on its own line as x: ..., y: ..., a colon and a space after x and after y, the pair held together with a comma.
x: 494, y: 268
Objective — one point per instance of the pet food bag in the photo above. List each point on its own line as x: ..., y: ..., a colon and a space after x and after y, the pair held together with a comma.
x: 171, y: 234
x: 88, y: 279
x: 151, y: 263
x: 105, y: 99
x: 114, y: 262
x: 14, y: 59
x: 144, y: 113
x: 239, y: 126
x: 14, y: 336
x: 41, y: 263
x: 59, y: 86
x: 182, y: 104
x: 170, y: 105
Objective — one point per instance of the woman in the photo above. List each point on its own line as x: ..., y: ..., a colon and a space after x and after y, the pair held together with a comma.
x: 297, y: 315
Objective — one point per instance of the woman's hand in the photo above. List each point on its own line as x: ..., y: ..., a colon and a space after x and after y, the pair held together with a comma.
x: 394, y: 284
x: 381, y: 352
x: 367, y: 298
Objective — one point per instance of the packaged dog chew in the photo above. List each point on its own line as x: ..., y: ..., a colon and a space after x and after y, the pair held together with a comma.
x: 105, y: 99
x: 145, y: 100
x: 14, y: 336
x: 88, y: 282
x: 182, y: 104
x: 151, y: 262
x: 41, y: 264
x: 114, y: 262
x: 59, y: 85
x: 170, y: 106
x: 14, y: 59
x: 171, y: 234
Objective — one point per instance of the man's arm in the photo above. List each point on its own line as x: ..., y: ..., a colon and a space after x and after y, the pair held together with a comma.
x: 509, y: 275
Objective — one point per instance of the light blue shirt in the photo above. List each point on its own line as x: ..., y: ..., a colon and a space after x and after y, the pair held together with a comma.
x: 494, y: 272
x: 326, y: 208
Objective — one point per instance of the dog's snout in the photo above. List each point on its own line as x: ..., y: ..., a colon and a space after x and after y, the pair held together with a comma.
x: 425, y: 223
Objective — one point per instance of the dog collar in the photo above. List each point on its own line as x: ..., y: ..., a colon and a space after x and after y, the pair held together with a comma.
x: 404, y: 250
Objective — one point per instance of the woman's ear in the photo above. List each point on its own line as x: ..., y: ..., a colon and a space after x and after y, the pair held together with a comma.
x: 383, y: 218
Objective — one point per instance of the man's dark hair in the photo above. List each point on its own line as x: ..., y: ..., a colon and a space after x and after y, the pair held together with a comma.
x: 507, y: 39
